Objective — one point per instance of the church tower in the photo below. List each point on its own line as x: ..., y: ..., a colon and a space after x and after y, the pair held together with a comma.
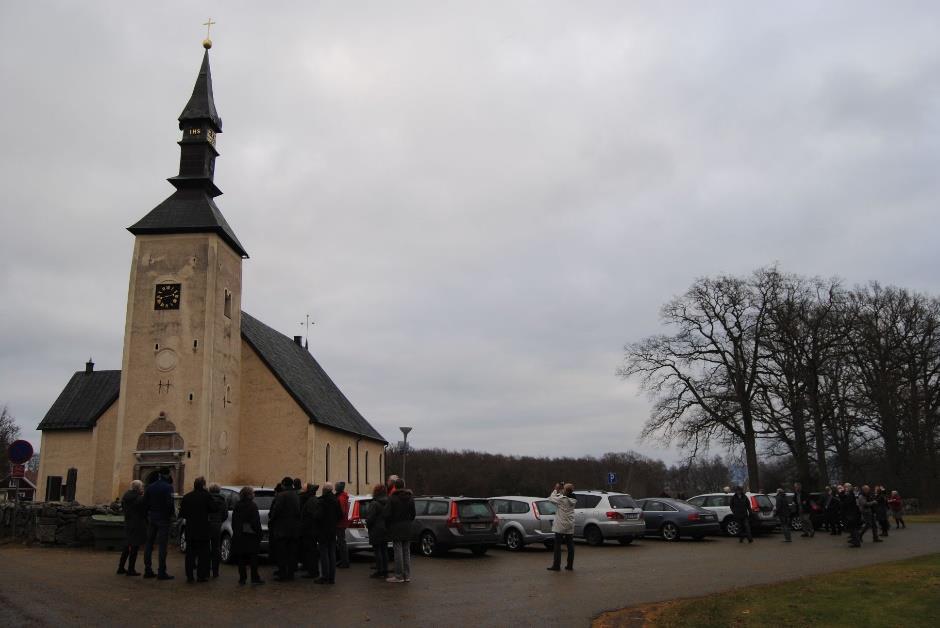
x: 180, y: 381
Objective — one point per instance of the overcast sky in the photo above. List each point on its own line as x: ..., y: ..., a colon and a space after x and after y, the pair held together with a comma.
x: 478, y: 203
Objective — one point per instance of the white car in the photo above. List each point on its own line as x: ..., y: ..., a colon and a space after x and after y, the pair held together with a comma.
x: 762, y: 511
x: 264, y: 497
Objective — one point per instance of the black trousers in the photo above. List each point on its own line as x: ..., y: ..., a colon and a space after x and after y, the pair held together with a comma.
x: 835, y: 523
x: 158, y: 533
x: 198, y: 558
x: 744, y: 528
x: 311, y: 556
x: 568, y: 540
x: 869, y: 522
x: 244, y: 560
x: 129, y: 556
x: 342, y: 552
x: 286, y: 557
x: 215, y: 548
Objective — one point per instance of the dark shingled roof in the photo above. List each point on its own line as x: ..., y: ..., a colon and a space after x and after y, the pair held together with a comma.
x: 201, y: 105
x: 84, y: 400
x: 188, y: 211
x: 305, y: 380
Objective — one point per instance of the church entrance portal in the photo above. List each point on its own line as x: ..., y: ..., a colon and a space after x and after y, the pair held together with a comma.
x: 160, y: 446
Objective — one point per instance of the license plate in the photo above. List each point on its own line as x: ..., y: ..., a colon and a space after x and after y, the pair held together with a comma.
x: 631, y: 515
x: 478, y: 526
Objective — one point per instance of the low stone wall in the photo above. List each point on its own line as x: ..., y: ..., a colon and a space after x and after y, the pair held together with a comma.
x: 51, y: 523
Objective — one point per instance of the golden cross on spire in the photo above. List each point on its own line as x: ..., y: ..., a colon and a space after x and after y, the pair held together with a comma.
x: 207, y: 43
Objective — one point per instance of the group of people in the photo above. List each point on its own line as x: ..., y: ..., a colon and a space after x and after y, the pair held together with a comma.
x: 845, y: 508
x: 305, y: 529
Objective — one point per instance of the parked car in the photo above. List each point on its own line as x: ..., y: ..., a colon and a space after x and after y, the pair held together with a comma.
x: 762, y: 511
x: 603, y: 515
x: 673, y: 518
x: 357, y: 535
x: 264, y: 497
x: 520, y: 521
x: 444, y: 523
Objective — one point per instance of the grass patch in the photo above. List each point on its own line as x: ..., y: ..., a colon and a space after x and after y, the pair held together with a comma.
x: 933, y: 517
x: 904, y: 593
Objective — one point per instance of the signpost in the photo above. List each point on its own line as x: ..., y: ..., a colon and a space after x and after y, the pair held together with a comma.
x: 611, y: 480
x: 19, y: 452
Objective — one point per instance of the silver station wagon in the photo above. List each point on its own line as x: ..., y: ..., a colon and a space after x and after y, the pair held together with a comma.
x: 520, y: 520
x: 601, y: 515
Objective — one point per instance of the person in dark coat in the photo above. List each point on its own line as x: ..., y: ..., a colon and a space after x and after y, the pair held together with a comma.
x: 375, y: 524
x: 284, y: 526
x: 309, y: 556
x: 782, y: 508
x: 741, y: 511
x: 834, y: 509
x: 216, y: 519
x: 851, y: 515
x: 399, y: 515
x: 881, y: 510
x: 158, y: 502
x: 327, y: 516
x: 308, y: 532
x: 803, y: 509
x: 135, y: 527
x: 246, y: 535
x: 342, y: 552
x: 866, y: 504
x: 196, y: 508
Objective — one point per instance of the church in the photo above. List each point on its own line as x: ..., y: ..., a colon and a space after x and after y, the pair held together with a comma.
x: 204, y: 389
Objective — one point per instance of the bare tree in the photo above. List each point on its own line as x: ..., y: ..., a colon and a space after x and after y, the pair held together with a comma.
x: 9, y: 432
x: 705, y: 376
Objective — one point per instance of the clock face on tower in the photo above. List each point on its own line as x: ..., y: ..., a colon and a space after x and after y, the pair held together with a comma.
x: 167, y: 296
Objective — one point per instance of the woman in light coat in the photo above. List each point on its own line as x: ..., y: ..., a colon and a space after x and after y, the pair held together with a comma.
x: 563, y: 526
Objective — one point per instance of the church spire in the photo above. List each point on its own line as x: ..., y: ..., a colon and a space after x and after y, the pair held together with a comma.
x: 191, y: 209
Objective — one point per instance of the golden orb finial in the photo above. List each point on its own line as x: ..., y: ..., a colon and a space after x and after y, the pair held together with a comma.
x: 207, y: 43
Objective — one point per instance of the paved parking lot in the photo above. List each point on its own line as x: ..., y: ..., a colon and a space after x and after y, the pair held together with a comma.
x: 57, y: 587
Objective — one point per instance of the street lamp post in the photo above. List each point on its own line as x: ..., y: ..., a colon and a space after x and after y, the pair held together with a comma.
x: 404, y: 453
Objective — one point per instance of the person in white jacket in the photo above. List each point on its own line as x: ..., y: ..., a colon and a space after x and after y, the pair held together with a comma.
x: 563, y: 526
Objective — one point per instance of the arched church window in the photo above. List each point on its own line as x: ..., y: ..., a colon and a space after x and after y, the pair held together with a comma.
x: 367, y: 467
x: 349, y: 464
x: 327, y: 475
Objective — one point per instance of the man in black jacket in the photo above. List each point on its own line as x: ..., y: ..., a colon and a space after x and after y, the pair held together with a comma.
x: 309, y: 555
x: 328, y: 514
x: 284, y: 526
x: 216, y: 519
x: 851, y: 515
x: 196, y: 508
x: 782, y: 510
x: 741, y: 511
x: 135, y: 527
x: 158, y: 502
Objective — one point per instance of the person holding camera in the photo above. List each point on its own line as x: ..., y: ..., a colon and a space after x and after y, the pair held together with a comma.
x: 563, y: 526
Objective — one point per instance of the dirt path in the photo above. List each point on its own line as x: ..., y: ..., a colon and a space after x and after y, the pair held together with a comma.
x: 59, y: 587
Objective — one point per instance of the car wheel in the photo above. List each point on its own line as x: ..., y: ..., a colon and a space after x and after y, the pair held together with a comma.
x: 514, y: 541
x: 732, y: 527
x: 593, y: 536
x: 427, y: 544
x: 625, y: 540
x: 479, y: 550
x: 225, y: 549
x: 669, y: 531
x: 796, y: 524
x: 183, y: 540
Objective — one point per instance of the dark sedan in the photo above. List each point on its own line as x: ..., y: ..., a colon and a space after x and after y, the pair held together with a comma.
x: 673, y: 518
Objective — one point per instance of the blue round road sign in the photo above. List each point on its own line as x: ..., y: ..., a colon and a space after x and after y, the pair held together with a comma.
x: 20, y: 451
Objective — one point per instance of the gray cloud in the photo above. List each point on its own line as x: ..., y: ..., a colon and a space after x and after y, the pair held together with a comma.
x: 479, y: 203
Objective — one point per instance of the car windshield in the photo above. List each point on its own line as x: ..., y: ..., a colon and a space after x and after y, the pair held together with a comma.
x: 264, y: 500
x: 474, y: 510
x: 622, y: 501
x: 764, y: 502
